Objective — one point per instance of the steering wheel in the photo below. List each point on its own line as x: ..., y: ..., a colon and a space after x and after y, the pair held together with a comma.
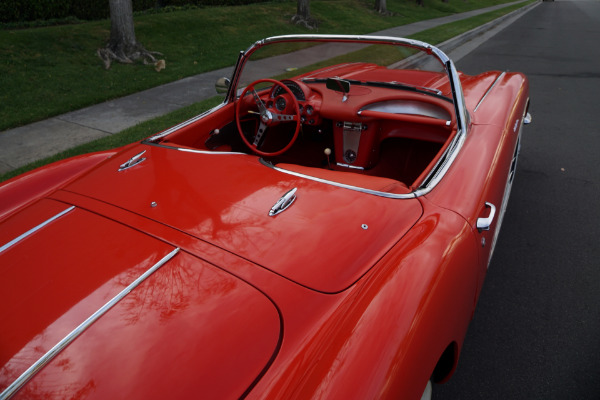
x: 270, y: 115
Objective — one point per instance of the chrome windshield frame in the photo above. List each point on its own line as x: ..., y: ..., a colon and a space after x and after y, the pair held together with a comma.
x: 436, y: 173
x: 462, y: 116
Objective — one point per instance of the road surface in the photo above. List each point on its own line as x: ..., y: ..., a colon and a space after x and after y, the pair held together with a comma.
x: 536, y: 330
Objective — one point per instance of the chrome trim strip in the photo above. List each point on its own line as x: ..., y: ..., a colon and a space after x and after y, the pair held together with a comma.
x: 183, y: 124
x: 53, y: 352
x: 342, y: 185
x: 443, y: 165
x: 350, y: 166
x: 164, y: 146
x: 206, y: 151
x: 489, y: 90
x: 35, y: 229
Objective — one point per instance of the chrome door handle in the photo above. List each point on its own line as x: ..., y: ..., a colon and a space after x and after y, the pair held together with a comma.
x: 483, y: 224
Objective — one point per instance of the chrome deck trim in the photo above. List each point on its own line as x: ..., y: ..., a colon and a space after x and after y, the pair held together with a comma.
x: 489, y: 90
x: 53, y: 352
x: 35, y: 229
x: 207, y: 151
x: 442, y: 166
x: 183, y: 124
x: 342, y: 185
x: 194, y: 151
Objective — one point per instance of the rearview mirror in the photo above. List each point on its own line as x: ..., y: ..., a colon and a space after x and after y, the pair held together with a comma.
x: 337, y: 84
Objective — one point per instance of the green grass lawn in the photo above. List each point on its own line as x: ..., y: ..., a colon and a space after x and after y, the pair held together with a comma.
x: 52, y: 70
x: 435, y: 36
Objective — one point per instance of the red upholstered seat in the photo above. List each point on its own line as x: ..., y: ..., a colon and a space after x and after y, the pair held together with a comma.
x: 350, y: 178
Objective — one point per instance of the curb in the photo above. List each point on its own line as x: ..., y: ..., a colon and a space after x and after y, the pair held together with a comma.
x: 457, y: 41
x: 451, y: 45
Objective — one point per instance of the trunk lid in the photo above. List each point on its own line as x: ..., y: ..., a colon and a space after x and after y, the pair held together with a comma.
x: 326, y: 240
x: 176, y: 334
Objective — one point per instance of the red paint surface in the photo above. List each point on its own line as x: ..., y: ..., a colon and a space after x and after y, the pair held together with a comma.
x: 305, y: 304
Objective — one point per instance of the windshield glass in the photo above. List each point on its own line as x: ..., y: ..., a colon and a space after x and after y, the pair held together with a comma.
x: 361, y: 64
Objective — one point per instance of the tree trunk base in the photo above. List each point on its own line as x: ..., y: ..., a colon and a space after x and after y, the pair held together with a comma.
x: 385, y: 13
x: 308, y: 23
x: 128, y: 54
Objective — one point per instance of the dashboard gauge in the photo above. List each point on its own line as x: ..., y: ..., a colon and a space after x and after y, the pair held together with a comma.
x: 294, y: 88
x: 309, y: 110
x: 280, y: 104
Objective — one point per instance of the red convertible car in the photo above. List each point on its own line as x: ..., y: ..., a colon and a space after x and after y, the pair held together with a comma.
x: 323, y: 233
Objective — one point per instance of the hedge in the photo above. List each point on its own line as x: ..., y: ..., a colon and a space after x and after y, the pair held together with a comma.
x: 32, y: 10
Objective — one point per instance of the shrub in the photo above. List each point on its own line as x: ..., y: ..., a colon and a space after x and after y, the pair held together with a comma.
x: 90, y: 9
x: 31, y: 10
x: 27, y: 10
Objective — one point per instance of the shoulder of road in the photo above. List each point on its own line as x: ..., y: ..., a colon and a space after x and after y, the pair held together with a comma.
x: 29, y: 143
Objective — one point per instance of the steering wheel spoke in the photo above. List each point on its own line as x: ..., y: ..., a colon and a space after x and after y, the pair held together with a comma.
x: 262, y: 109
x: 284, y: 117
x: 259, y: 134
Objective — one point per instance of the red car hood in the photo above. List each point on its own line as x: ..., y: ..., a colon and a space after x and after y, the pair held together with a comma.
x: 69, y: 269
x: 326, y: 240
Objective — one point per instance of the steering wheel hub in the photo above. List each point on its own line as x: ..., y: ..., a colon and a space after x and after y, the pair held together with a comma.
x: 266, y: 117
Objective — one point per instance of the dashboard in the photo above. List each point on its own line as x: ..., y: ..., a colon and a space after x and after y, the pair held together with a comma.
x: 309, y: 102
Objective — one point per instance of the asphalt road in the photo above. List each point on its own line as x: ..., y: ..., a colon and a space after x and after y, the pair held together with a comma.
x: 536, y: 330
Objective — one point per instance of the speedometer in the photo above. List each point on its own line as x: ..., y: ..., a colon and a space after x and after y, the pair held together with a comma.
x: 294, y: 88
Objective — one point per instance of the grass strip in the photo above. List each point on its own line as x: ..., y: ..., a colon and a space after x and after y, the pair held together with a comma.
x: 48, y: 71
x: 135, y: 133
x: 143, y: 130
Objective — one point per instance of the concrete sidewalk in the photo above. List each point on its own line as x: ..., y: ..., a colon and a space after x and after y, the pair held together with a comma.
x: 26, y: 144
